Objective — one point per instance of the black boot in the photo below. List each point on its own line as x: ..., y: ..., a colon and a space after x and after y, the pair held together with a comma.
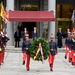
x: 27, y: 69
x: 65, y: 57
x: 51, y: 70
x: 23, y: 63
x: 50, y: 67
x: 72, y: 63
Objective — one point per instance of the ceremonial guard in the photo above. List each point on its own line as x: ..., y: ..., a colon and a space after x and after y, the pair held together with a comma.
x: 73, y: 48
x: 53, y: 52
x: 68, y: 46
x: 2, y: 47
x: 5, y: 39
x: 71, y: 53
x: 26, y: 53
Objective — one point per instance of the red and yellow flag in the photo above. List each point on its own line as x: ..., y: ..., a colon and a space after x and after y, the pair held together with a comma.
x: 7, y: 17
x: 3, y: 13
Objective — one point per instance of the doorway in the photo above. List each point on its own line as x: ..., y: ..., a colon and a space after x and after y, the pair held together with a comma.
x: 64, y: 14
x: 64, y: 23
x: 30, y: 27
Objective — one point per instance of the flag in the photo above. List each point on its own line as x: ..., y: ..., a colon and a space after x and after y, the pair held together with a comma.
x: 2, y: 11
x: 7, y: 16
x: 72, y: 18
x: 4, y: 14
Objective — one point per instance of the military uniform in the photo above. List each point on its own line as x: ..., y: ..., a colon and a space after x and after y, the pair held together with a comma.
x: 68, y: 47
x: 5, y: 39
x: 73, y: 50
x: 1, y: 49
x: 53, y: 52
x: 26, y: 53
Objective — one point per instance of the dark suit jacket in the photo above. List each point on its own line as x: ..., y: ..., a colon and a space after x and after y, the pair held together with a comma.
x: 17, y: 36
x: 34, y: 35
x: 24, y: 34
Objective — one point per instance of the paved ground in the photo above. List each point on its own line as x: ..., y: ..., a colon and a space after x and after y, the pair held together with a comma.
x: 13, y: 66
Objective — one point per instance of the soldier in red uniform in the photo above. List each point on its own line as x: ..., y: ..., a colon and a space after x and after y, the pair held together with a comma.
x: 70, y: 49
x: 5, y: 39
x: 1, y: 48
x: 53, y: 52
x: 68, y: 45
x: 26, y: 53
x: 73, y: 48
x: 71, y: 53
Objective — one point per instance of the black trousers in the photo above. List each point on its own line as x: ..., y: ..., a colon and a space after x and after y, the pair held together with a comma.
x: 59, y: 43
x: 16, y: 43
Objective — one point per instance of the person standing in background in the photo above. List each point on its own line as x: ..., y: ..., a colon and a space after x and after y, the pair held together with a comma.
x: 24, y: 33
x: 66, y: 33
x: 17, y: 38
x: 59, y: 37
x: 34, y: 33
x: 20, y: 29
x: 44, y: 34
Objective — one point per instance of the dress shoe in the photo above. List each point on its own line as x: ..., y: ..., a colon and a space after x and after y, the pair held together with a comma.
x: 23, y: 63
x: 65, y: 57
x: 27, y: 69
x: 51, y: 70
x: 72, y: 63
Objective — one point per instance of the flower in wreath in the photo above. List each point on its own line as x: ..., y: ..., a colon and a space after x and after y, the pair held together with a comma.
x: 39, y: 49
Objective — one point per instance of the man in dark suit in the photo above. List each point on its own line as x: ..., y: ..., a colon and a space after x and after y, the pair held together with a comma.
x: 20, y: 29
x: 17, y: 38
x: 24, y: 33
x: 59, y: 37
x: 34, y: 33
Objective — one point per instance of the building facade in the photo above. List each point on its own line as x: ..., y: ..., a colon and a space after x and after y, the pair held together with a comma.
x: 59, y: 7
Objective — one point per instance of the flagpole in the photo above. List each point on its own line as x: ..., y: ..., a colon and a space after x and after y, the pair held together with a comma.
x: 74, y: 18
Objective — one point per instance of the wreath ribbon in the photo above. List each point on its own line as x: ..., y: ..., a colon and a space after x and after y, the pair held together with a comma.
x: 37, y: 52
x: 42, y: 55
x: 0, y: 49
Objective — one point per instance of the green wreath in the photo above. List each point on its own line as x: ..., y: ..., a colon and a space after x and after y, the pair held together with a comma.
x: 34, y: 46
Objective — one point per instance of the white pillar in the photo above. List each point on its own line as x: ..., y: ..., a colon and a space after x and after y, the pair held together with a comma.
x: 51, y: 26
x: 10, y: 26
